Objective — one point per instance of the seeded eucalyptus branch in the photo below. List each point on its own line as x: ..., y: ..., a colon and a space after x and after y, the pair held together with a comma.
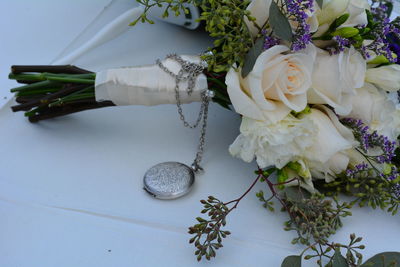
x: 315, y: 218
x: 208, y: 234
x: 174, y: 6
x: 330, y: 255
x: 225, y: 22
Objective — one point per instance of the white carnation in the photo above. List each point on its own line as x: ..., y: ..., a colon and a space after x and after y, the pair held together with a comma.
x: 318, y: 139
x: 273, y: 144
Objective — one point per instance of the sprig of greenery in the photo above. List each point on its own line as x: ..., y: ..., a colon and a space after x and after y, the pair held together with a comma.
x: 315, y: 218
x: 208, y: 234
x: 225, y: 22
x: 174, y: 6
x: 330, y: 255
x: 367, y: 188
x: 353, y: 256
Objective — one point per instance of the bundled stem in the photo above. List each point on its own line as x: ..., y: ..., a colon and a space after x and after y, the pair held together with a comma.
x: 53, y: 91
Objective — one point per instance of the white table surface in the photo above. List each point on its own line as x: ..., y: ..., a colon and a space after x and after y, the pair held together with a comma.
x: 71, y: 188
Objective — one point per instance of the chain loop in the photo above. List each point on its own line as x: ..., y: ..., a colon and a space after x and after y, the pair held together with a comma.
x: 189, y: 72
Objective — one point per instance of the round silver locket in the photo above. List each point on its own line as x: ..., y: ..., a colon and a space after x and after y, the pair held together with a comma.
x: 168, y: 180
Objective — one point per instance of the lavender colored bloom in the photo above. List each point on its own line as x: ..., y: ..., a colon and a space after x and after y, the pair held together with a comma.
x: 372, y: 140
x: 382, y: 44
x: 394, y: 45
x: 269, y: 41
x: 369, y: 141
x: 297, y: 12
x: 341, y: 44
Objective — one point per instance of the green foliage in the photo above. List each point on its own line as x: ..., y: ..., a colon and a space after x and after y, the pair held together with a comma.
x: 280, y: 23
x: 208, y: 233
x: 385, y: 259
x: 338, y: 260
x: 366, y: 188
x: 216, y: 84
x: 225, y: 22
x: 338, y: 22
x: 314, y: 218
x: 251, y: 57
x: 320, y: 3
x: 267, y: 203
x: 331, y: 254
x: 333, y: 29
x: 292, y: 261
x: 174, y: 6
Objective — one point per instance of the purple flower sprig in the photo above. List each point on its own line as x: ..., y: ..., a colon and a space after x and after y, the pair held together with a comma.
x: 341, y: 44
x: 359, y: 168
x: 370, y: 140
x: 381, y: 31
x: 381, y: 43
x: 297, y: 13
x: 269, y: 40
x: 379, y: 9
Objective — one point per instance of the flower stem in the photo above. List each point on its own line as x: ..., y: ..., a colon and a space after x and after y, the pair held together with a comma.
x: 244, y: 194
x: 67, y: 78
x: 48, y: 68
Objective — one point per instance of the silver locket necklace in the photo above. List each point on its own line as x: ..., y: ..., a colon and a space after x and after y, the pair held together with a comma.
x: 170, y: 180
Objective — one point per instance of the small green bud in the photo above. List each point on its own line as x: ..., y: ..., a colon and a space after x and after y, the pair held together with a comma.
x: 346, y: 32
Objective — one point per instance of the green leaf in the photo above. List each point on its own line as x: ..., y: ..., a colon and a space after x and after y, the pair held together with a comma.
x: 292, y: 261
x: 338, y: 260
x: 320, y: 3
x: 279, y: 23
x: 251, y: 57
x: 337, y: 22
x: 389, y: 8
x: 384, y: 259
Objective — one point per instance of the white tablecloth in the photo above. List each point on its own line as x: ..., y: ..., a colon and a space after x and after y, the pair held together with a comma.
x: 71, y: 188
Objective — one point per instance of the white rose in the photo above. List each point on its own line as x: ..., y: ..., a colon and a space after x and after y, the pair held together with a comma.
x: 333, y: 9
x: 328, y: 157
x: 386, y: 77
x: 335, y: 78
x: 358, y: 16
x: 277, y: 84
x: 318, y: 139
x: 375, y: 109
x: 259, y: 9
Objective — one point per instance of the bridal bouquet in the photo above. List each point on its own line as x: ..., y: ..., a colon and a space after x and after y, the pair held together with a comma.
x: 316, y: 84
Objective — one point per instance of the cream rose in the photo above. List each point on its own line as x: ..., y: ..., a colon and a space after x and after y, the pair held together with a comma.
x: 259, y: 9
x: 335, y: 8
x: 386, y: 77
x: 377, y: 110
x: 358, y: 16
x: 277, y: 84
x: 335, y: 78
x: 328, y: 157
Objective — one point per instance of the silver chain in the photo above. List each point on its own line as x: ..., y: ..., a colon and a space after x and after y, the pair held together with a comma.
x: 189, y: 72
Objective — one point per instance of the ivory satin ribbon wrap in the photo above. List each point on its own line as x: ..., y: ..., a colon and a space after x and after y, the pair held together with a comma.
x: 147, y: 85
